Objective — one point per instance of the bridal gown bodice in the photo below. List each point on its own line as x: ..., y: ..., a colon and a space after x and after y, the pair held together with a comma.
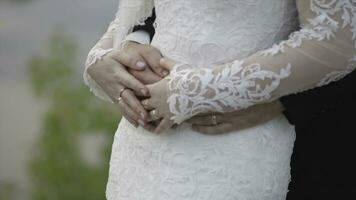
x: 181, y: 164
x: 207, y: 32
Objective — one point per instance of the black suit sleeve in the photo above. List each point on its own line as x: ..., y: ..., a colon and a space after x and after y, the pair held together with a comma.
x: 303, y: 109
x: 148, y: 25
x: 289, y: 102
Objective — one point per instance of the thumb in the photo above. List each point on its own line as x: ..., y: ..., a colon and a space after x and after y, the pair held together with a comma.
x: 167, y: 63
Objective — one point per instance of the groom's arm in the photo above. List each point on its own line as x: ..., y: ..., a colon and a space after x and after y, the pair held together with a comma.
x: 143, y: 34
x: 147, y: 28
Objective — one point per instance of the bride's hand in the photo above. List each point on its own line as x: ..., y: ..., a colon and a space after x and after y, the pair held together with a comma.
x: 157, y: 103
x: 204, y: 123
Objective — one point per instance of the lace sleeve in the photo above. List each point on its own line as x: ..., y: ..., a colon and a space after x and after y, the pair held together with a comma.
x: 129, y: 14
x: 321, y: 52
x: 102, y: 47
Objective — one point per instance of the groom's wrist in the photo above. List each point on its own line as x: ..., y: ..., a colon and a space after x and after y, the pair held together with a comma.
x: 139, y: 36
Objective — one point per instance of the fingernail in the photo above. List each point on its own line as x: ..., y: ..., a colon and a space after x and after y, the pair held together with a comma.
x: 143, y: 116
x: 142, y: 123
x: 141, y: 64
x: 144, y: 92
x: 165, y: 72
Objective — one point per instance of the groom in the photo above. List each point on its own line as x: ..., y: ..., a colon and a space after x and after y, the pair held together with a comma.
x: 324, y: 152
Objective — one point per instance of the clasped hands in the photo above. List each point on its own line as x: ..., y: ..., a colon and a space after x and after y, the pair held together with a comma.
x: 134, y: 79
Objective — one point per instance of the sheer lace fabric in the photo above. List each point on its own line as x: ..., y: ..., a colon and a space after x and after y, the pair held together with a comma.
x: 103, y: 47
x: 321, y: 52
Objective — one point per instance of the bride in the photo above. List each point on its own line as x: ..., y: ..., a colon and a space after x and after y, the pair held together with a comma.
x: 219, y: 61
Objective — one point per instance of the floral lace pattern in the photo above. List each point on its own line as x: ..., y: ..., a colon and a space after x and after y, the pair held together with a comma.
x: 200, y: 90
x: 323, y: 25
x: 95, y: 54
x: 337, y: 75
x: 230, y: 88
x: 244, y: 31
x: 185, y: 165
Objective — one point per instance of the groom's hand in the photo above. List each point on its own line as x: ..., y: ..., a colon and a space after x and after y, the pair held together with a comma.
x: 151, y: 73
x: 236, y: 121
x: 133, y: 52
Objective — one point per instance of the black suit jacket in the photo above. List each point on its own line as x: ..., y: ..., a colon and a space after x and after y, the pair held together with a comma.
x: 324, y: 151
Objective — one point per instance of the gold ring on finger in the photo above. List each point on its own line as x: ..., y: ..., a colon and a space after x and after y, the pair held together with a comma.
x: 122, y: 91
x: 119, y: 98
x: 154, y: 114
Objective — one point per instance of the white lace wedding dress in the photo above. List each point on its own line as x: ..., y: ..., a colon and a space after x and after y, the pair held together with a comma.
x: 248, y: 165
x: 185, y: 165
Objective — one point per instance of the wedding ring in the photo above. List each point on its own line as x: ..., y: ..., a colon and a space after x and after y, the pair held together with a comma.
x: 213, y: 119
x: 153, y: 114
x: 122, y: 91
x: 118, y: 99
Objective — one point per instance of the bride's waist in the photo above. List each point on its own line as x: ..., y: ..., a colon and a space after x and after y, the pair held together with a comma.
x: 202, y: 50
x: 184, y: 134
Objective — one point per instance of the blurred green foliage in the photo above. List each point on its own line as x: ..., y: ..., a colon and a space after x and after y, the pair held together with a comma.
x: 58, y: 171
x: 7, y: 190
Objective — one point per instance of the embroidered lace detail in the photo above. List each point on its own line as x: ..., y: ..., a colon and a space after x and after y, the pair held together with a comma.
x: 323, y: 25
x: 129, y: 14
x: 94, y: 55
x: 194, y: 91
x: 337, y: 75
x: 234, y: 87
x: 97, y: 54
x: 185, y: 165
x: 296, y: 39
